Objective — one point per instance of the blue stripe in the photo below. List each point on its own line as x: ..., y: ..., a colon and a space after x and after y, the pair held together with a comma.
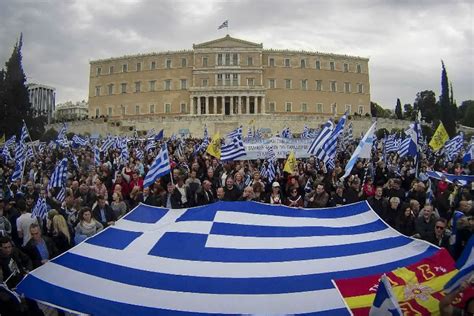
x: 188, y: 246
x: 114, y: 238
x: 207, y: 212
x: 146, y: 214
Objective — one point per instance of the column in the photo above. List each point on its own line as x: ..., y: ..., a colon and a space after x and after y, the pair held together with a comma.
x: 231, y: 105
x: 191, y: 106
x: 214, y: 105
x: 247, y: 104
x: 207, y: 105
x: 263, y: 105
x: 255, y: 105
x: 223, y: 105
x: 239, y: 104
x: 199, y: 106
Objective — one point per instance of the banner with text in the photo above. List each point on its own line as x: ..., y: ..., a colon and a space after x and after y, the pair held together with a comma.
x: 257, y: 149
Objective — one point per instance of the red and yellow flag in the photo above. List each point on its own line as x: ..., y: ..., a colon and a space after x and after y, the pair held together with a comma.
x: 418, y: 287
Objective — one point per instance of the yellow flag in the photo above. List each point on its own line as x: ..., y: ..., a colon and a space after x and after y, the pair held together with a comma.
x: 439, y: 138
x: 214, y: 148
x: 290, y: 164
x: 2, y: 139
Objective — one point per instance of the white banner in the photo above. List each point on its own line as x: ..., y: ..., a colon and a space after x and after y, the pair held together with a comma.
x: 257, y: 149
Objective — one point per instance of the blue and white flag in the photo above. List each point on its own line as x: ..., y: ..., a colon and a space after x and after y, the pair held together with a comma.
x: 224, y: 24
x: 24, y: 133
x: 159, y: 136
x: 79, y: 141
x: 286, y: 133
x: 58, y: 178
x: 6, y: 153
x: 29, y: 153
x: 10, y: 143
x: 160, y: 167
x: 20, y: 158
x: 363, y: 150
x: 61, y: 196
x: 305, y: 133
x: 270, y: 157
x: 150, y: 145
x: 249, y: 133
x: 330, y: 146
x: 317, y: 145
x: 234, y: 148
x: 61, y: 140
x: 453, y: 146
x: 41, y: 148
x: 465, y: 264
x: 139, y: 154
x: 385, y: 302
x: 468, y: 155
x: 348, y: 137
x: 226, y: 258
x: 108, y: 142
x: 124, y: 154
x: 40, y: 209
x: 407, y: 148
x: 96, y: 156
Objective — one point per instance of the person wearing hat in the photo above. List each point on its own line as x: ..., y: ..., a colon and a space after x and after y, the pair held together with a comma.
x: 275, y: 195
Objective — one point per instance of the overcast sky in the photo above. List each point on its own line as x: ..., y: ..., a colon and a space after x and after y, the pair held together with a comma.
x: 405, y: 40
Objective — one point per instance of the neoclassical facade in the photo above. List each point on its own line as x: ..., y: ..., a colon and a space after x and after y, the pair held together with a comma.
x: 229, y: 76
x: 71, y: 111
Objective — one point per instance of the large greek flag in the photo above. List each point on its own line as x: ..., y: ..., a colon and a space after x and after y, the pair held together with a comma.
x: 223, y: 258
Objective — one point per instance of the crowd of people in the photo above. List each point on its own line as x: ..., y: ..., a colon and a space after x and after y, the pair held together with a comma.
x: 98, y: 194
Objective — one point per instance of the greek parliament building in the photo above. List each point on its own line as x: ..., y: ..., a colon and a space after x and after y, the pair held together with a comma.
x: 228, y: 76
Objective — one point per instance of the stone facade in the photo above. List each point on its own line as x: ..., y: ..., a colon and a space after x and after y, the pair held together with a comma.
x: 228, y: 77
x: 71, y: 111
x: 42, y: 99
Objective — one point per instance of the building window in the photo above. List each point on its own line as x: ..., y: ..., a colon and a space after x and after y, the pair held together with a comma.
x: 361, y: 109
x: 139, y: 66
x: 304, y: 84
x: 235, y: 79
x: 346, y: 67
x: 333, y: 108
x: 251, y: 82
x: 111, y: 70
x: 287, y: 62
x: 288, y: 83
x: 333, y: 86
x: 360, y: 88
x: 167, y: 108
x: 205, y: 82
x: 359, y: 68
x: 219, y: 79
x: 304, y: 107
x: 204, y: 61
x: 109, y: 113
x: 168, y: 84
x: 319, y: 108
x: 235, y: 59
x: 123, y: 88
x: 227, y: 79
x: 184, y: 84
x: 137, y: 109
x: 124, y: 68
x: 168, y: 63
x: 99, y: 71
x: 97, y: 112
x: 249, y: 61
x: 153, y: 65
x: 332, y: 65
x: 288, y: 106
x: 184, y: 62
x: 271, y: 83
x: 152, y: 85
x: 303, y: 63
x: 111, y: 89
x: 138, y: 86
x: 271, y: 62
x: 152, y: 108
x: 219, y: 59
x: 183, y: 107
x: 271, y: 106
x: 97, y: 91
x: 348, y: 108
x: 347, y: 87
x: 319, y: 85
x: 227, y: 59
x: 124, y: 109
x: 318, y: 64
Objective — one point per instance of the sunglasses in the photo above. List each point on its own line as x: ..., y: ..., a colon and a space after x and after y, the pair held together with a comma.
x: 440, y: 227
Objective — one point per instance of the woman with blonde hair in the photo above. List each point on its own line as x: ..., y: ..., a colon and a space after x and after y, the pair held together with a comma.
x: 60, y: 233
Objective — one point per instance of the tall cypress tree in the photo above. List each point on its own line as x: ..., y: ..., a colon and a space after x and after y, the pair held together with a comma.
x: 398, y: 110
x: 448, y: 115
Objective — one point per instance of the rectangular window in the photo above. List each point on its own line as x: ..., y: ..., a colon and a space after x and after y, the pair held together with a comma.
x: 111, y: 89
x: 167, y: 108
x: 304, y: 107
x: 183, y: 107
x: 137, y: 109
x: 219, y: 79
x: 235, y: 59
x: 168, y: 63
x: 153, y: 65
x: 359, y: 68
x: 123, y: 88
x: 205, y: 61
x: 251, y: 82
x: 124, y: 109
x: 361, y: 109
x: 303, y: 63
x: 184, y: 84
x: 249, y: 61
x: 347, y: 87
x: 360, y: 88
x: 152, y: 85
x: 346, y: 67
x: 333, y: 86
x: 109, y: 113
x: 227, y: 59
x: 97, y: 112
x: 288, y: 106
x: 97, y: 91
x: 348, y: 108
x: 184, y: 62
x: 138, y: 86
x: 227, y: 79
x: 235, y: 79
x: 332, y: 65
x: 124, y: 68
x: 304, y: 84
x: 271, y: 62
x: 319, y: 85
x: 319, y: 108
x: 99, y: 71
x: 152, y: 108
x: 111, y: 70
x: 287, y: 62
x: 271, y: 83
x: 272, y: 106
x: 205, y: 82
x: 139, y: 66
x: 288, y: 83
x: 219, y: 59
x: 318, y: 64
x: 168, y: 84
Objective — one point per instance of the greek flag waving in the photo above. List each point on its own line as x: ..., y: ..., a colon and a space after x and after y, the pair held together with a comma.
x: 58, y: 178
x: 160, y: 167
x: 223, y: 258
x: 453, y: 146
x: 40, y: 209
x: 234, y: 148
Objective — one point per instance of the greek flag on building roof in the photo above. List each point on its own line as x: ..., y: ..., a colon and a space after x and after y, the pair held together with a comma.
x: 223, y: 258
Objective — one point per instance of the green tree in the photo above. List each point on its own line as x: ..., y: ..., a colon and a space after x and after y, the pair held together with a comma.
x: 461, y: 112
x: 380, y: 133
x: 378, y: 111
x: 398, y: 110
x: 426, y: 103
x: 468, y: 119
x: 14, y: 100
x: 409, y: 112
x: 49, y: 135
x: 447, y: 114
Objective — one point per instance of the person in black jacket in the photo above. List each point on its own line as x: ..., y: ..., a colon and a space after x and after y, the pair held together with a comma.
x: 231, y: 192
x: 204, y: 194
x: 103, y: 213
x: 39, y: 248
